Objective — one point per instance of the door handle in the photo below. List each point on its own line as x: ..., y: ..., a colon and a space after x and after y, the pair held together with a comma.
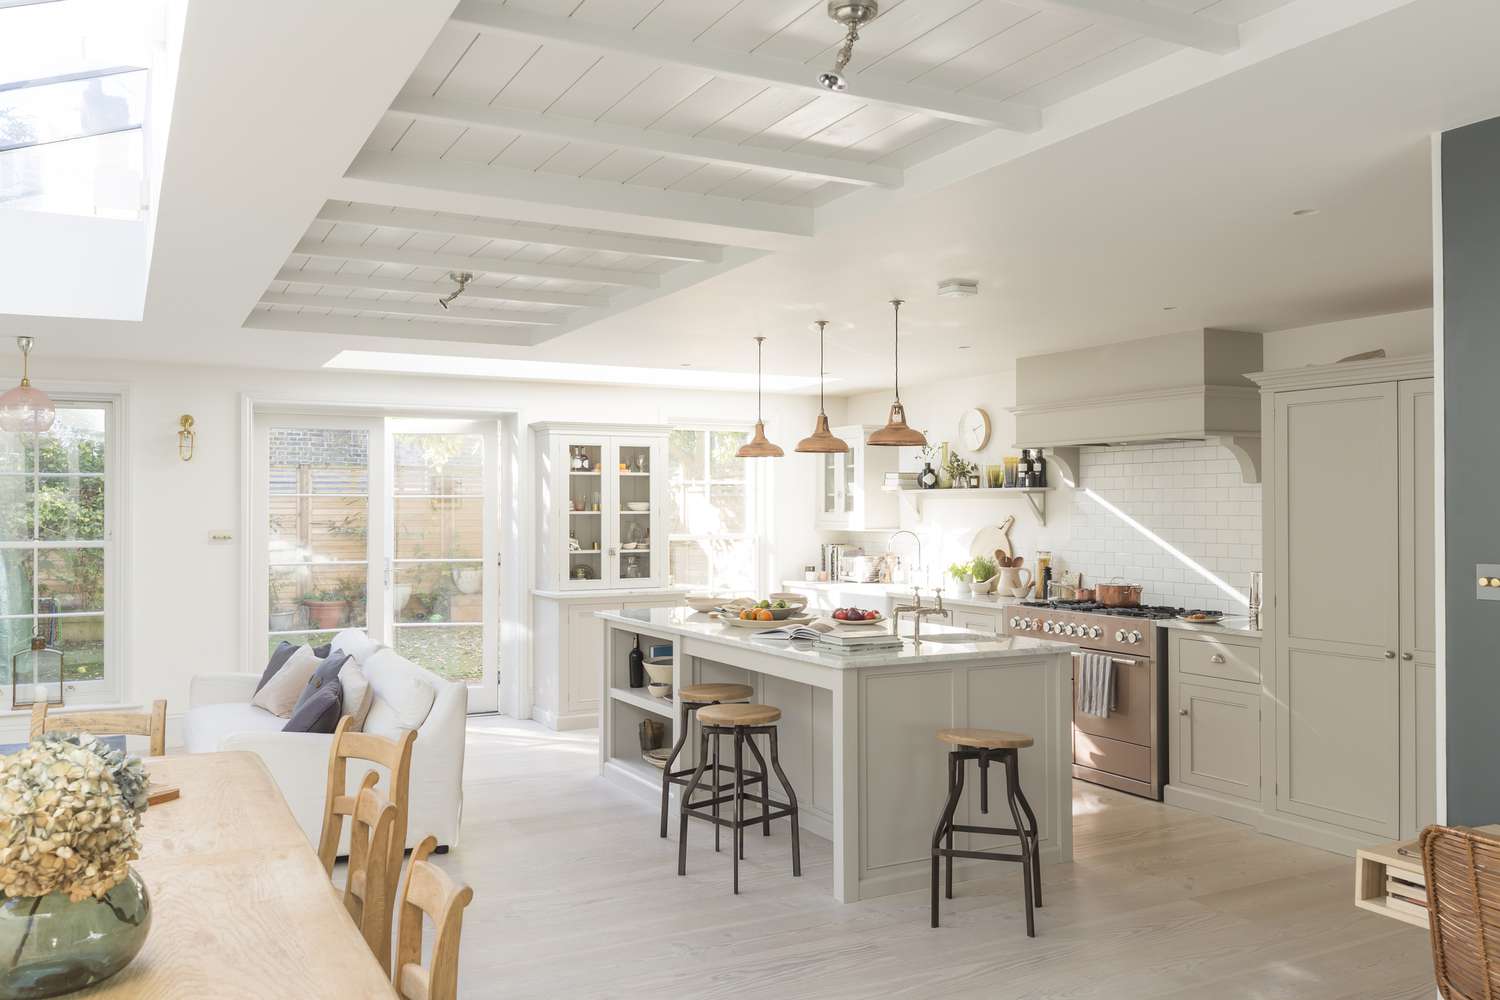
x: 1216, y: 658
x: 1406, y: 656
x: 1390, y: 654
x: 1182, y: 711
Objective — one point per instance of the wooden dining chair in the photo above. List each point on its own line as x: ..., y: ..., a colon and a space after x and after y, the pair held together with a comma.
x: 366, y: 893
x: 1462, y: 868
x: 152, y: 724
x: 430, y: 891
x: 395, y: 757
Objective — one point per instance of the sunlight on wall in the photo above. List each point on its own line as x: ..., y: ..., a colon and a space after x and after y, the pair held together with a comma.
x: 1165, y: 546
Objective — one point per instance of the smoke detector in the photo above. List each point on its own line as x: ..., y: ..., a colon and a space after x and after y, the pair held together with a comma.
x: 958, y: 288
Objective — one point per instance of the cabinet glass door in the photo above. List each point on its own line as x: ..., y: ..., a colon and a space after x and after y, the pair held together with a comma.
x: 634, y: 474
x: 828, y: 489
x: 851, y: 478
x: 586, y: 511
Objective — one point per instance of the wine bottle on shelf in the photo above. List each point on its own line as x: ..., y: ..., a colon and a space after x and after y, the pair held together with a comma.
x: 637, y: 665
x: 1038, y: 469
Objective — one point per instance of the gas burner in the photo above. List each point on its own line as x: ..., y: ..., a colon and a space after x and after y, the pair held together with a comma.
x: 1094, y: 607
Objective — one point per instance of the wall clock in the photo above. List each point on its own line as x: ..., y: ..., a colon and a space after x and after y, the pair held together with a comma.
x: 974, y: 429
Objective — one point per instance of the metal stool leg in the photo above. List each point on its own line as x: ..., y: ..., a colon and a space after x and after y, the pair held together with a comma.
x: 1036, y: 859
x: 716, y: 793
x: 1013, y: 781
x: 737, y: 846
x: 765, y: 784
x: 942, y: 831
x: 960, y: 766
x: 666, y: 774
x: 791, y: 801
x: 687, y: 797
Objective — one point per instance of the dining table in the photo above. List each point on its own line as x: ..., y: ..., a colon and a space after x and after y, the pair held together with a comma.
x: 240, y: 905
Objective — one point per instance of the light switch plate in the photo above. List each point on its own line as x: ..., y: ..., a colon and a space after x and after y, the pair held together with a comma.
x: 1491, y: 572
x: 220, y: 537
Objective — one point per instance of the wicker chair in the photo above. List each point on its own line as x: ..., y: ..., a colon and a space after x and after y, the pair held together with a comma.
x: 1463, y: 897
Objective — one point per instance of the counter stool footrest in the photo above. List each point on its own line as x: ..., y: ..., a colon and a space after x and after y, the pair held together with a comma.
x: 943, y: 852
x: 956, y: 828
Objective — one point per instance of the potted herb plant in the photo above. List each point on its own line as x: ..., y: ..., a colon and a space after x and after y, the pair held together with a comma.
x: 978, y: 573
x: 326, y: 609
x: 73, y: 912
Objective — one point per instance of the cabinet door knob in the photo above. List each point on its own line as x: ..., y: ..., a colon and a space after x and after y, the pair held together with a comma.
x: 1182, y: 711
x: 1216, y: 658
x: 1405, y: 656
x: 1390, y: 654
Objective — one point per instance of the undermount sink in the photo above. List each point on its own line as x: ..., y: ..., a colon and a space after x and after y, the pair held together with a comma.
x: 951, y: 637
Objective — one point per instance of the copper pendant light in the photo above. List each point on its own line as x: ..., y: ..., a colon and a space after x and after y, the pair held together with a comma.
x: 822, y: 441
x: 895, y: 433
x: 758, y: 446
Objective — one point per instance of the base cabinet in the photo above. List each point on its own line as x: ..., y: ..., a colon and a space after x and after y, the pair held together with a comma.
x: 1216, y: 744
x: 567, y: 652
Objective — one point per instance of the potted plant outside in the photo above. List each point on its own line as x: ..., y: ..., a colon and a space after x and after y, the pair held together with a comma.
x: 326, y: 609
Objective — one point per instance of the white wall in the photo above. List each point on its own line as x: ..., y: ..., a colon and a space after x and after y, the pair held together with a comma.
x: 1177, y: 518
x: 184, y: 592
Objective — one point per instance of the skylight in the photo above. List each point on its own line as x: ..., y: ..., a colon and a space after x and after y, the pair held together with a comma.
x: 74, y: 97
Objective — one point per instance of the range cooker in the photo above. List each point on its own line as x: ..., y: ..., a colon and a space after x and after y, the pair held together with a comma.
x: 1127, y: 750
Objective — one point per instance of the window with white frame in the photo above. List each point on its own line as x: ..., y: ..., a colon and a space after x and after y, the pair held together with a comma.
x: 711, y: 510
x: 56, y: 550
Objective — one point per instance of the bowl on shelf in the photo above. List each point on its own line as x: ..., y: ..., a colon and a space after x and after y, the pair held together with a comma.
x: 660, y: 690
x: 794, y: 601
x: 660, y: 671
x: 639, y: 506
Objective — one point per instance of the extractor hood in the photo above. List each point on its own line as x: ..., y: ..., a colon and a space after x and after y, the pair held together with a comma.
x: 1177, y: 387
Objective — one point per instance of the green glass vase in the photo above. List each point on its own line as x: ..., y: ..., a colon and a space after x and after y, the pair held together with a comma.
x: 50, y: 945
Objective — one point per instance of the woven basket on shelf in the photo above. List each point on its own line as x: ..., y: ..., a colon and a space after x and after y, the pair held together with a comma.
x: 1463, y: 897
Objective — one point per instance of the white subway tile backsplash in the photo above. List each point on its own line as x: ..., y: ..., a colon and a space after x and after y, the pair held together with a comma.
x: 1201, y: 523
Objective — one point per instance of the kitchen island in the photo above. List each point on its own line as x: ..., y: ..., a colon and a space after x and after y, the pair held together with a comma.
x: 859, y: 733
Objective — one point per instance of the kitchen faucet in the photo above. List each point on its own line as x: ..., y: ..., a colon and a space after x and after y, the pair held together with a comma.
x: 918, y: 611
x: 914, y: 537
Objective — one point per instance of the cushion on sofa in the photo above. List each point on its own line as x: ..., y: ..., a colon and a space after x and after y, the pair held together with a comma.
x: 356, y: 643
x: 205, y: 727
x: 278, y: 659
x: 281, y: 692
x: 403, y: 697
x: 319, y: 713
x: 358, y: 695
x: 328, y: 670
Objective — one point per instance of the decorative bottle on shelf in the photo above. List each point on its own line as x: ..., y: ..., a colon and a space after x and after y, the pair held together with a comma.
x: 637, y: 665
x: 588, y: 463
x: 1038, y: 469
x: 575, y: 460
x: 1023, y: 469
x: 928, y: 477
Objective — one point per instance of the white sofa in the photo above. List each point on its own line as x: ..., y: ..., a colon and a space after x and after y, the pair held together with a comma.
x: 220, y: 717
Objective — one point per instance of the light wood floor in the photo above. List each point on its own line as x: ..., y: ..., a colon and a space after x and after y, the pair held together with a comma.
x: 575, y: 896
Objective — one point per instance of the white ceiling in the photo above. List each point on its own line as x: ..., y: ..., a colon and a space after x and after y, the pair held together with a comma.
x: 1161, y: 174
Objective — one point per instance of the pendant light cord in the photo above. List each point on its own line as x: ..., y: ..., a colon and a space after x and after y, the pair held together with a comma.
x: 758, y: 342
x: 896, y: 303
x: 821, y: 324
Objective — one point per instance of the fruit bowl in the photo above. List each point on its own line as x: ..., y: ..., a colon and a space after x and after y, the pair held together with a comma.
x: 857, y: 616
x: 704, y: 603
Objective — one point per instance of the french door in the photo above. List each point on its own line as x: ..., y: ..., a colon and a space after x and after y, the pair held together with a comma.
x: 388, y: 524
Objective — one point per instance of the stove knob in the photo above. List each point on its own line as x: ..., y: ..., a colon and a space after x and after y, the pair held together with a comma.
x: 1119, y: 635
x: 1029, y: 624
x: 1095, y: 631
x: 1015, y: 622
x: 1075, y: 629
x: 1047, y: 627
x: 1068, y: 628
x: 1134, y: 637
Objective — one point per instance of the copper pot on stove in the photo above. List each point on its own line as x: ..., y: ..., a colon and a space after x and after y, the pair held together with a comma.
x: 1118, y: 595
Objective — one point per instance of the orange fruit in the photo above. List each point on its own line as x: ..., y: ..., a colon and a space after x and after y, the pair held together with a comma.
x: 764, y: 615
x: 747, y: 615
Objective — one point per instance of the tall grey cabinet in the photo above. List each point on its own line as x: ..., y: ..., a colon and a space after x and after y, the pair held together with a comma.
x: 1348, y: 709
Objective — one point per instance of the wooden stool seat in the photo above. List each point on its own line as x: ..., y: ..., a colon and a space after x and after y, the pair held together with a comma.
x: 738, y: 715
x: 708, y: 694
x: 985, y: 739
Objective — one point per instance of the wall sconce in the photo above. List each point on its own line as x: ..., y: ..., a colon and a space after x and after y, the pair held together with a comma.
x: 186, y: 437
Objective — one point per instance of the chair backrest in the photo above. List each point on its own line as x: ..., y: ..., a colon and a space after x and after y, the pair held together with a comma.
x: 395, y: 757
x: 430, y: 891
x: 367, y: 895
x: 152, y: 724
x: 1463, y: 904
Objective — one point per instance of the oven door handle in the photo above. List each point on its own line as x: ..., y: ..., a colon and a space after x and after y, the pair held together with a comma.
x: 1114, y: 689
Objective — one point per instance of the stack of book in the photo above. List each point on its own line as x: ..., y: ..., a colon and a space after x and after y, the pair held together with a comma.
x: 901, y: 481
x: 830, y: 638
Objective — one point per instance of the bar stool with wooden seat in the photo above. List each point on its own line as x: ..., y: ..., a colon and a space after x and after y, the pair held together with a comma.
x: 744, y: 723
x: 152, y: 725
x: 694, y: 697
x: 986, y: 746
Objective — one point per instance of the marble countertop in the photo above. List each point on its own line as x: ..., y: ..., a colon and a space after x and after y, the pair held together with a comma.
x: 688, y: 623
x: 953, y: 598
x: 1234, y: 626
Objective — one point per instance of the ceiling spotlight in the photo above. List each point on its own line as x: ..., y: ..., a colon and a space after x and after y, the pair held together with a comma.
x: 463, y: 278
x: 853, y: 15
x: 1304, y: 211
x: 958, y: 287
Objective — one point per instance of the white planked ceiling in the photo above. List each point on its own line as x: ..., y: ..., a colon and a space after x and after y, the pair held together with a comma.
x: 583, y: 156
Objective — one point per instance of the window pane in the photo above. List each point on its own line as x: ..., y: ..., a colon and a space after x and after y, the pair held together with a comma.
x: 685, y: 453
x: 75, y: 443
x: 16, y: 494
x: 15, y: 636
x: 318, y: 528
x: 439, y: 592
x: 319, y: 460
x: 70, y: 508
x: 725, y: 463
x: 70, y: 580
x: 16, y: 569
x: 16, y: 452
x: 288, y: 588
x: 335, y: 597
x: 298, y: 639
x: 441, y: 464
x: 439, y: 528
x: 728, y: 504
x: 454, y: 652
x: 82, y: 643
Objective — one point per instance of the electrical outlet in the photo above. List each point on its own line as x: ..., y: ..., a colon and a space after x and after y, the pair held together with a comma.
x: 1487, y: 581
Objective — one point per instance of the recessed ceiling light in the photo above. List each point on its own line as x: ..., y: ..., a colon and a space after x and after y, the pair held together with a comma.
x: 685, y: 364
x: 560, y: 371
x: 963, y: 347
x: 1305, y: 211
x: 1167, y: 308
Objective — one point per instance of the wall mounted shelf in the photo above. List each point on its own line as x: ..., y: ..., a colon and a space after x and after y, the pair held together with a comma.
x: 1035, y: 495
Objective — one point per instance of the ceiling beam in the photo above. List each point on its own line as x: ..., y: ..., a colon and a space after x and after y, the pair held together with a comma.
x: 491, y: 293
x: 686, y: 147
x: 478, y: 15
x: 520, y: 232
x: 478, y: 265
x: 535, y: 196
x: 1155, y: 21
x: 415, y: 329
x: 427, y: 310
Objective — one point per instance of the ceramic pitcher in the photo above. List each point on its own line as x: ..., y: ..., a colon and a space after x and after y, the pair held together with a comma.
x: 1010, y: 582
